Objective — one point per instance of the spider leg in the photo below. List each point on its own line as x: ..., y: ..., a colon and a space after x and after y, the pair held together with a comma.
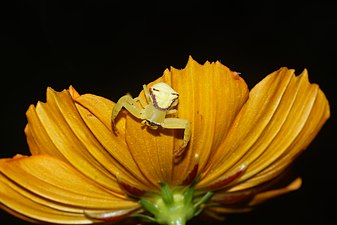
x: 177, y: 123
x: 141, y: 101
x: 129, y: 104
x: 172, y: 111
x: 147, y: 96
x: 147, y: 93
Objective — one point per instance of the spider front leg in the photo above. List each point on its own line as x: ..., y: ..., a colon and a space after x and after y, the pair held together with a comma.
x: 172, y: 111
x: 177, y: 123
x: 147, y: 96
x: 146, y: 93
x: 129, y: 104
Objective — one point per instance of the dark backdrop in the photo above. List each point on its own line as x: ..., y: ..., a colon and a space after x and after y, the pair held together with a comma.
x: 111, y: 47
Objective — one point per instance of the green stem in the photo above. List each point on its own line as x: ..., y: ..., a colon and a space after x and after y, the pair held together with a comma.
x: 177, y: 222
x: 174, y: 207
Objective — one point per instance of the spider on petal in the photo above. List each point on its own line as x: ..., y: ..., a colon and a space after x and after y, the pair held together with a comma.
x: 161, y: 98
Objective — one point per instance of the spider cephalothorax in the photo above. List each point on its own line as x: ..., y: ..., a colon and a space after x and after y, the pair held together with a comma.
x: 160, y: 99
x: 163, y: 96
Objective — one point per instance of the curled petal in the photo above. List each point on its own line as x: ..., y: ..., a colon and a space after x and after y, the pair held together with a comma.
x: 47, y: 189
x: 58, y: 129
x: 209, y: 107
x: 96, y: 113
x: 280, y: 185
x: 247, y: 200
x: 283, y: 114
x: 111, y: 215
x: 267, y: 195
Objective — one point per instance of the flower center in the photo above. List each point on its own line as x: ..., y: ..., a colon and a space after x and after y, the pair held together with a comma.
x: 173, y: 207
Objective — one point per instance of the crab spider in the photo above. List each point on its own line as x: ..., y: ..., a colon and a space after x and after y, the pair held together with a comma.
x: 160, y: 99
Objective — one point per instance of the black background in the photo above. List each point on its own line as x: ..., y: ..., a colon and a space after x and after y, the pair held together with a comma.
x: 112, y: 47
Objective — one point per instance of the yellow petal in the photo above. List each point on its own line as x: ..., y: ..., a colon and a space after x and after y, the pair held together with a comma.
x: 37, y: 138
x: 151, y: 151
x: 267, y: 195
x: 45, y: 188
x: 244, y: 201
x: 283, y: 114
x: 96, y: 113
x: 203, y: 101
x: 210, y: 97
x: 101, y: 108
x: 58, y: 129
x: 318, y: 115
x: 218, y: 211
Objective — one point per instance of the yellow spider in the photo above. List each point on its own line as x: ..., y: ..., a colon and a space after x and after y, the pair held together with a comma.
x: 161, y: 98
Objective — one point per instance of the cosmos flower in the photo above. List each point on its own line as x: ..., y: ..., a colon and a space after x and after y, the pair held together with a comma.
x: 242, y: 142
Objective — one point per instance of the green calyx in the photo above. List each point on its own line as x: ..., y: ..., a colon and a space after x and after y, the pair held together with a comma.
x: 173, y: 207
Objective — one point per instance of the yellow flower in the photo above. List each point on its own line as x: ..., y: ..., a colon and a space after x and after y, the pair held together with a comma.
x: 242, y: 142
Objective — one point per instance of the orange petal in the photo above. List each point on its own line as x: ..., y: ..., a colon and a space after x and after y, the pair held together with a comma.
x: 96, y: 113
x: 267, y: 195
x: 57, y: 129
x: 37, y: 138
x: 244, y: 201
x: 211, y: 95
x: 151, y: 151
x: 218, y: 211
x: 47, y: 189
x: 203, y: 101
x: 101, y: 108
x: 281, y: 117
x: 246, y: 206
